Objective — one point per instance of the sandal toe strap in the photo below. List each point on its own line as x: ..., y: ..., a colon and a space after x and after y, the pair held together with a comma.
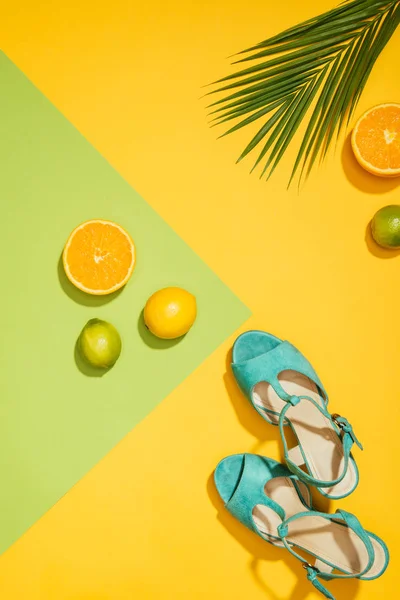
x: 268, y: 366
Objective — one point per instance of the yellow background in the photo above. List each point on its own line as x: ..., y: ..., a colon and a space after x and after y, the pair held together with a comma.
x: 146, y: 522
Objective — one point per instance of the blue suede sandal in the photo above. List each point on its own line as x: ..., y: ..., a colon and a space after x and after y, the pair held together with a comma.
x: 286, y: 391
x: 266, y: 497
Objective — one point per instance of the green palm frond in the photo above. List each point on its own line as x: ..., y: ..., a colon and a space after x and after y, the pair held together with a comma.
x: 316, y: 70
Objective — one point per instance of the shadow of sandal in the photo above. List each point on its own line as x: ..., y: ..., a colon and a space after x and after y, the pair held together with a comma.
x: 262, y: 551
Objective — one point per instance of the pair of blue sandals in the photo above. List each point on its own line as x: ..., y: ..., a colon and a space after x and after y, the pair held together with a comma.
x: 274, y: 500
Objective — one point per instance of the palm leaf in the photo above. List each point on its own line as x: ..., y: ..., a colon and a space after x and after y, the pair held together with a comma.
x: 315, y: 72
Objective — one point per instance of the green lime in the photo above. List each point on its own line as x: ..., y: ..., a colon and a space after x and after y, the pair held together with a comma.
x: 385, y: 226
x: 100, y: 344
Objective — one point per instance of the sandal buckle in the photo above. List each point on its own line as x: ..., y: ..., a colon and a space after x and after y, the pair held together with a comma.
x: 335, y: 419
x: 345, y: 427
x: 307, y: 565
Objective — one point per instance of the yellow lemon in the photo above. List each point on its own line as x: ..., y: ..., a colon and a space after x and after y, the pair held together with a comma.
x: 170, y: 312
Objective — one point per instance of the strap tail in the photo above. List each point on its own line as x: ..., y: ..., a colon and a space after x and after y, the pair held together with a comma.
x: 312, y: 578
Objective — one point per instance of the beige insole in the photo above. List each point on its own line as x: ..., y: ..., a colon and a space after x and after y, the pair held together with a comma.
x: 315, y: 432
x: 330, y: 541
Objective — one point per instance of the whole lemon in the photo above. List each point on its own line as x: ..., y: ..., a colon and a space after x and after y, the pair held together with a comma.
x: 385, y: 226
x: 170, y: 312
x: 100, y: 344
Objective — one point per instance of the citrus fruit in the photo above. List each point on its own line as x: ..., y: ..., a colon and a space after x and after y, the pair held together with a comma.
x: 99, y: 257
x: 376, y: 140
x: 385, y: 226
x: 100, y: 344
x: 170, y: 312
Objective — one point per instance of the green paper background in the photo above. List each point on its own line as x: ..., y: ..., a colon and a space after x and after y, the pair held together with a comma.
x: 58, y: 418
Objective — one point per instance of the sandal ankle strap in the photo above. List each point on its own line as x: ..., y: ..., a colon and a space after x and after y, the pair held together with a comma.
x: 344, y: 430
x: 313, y: 573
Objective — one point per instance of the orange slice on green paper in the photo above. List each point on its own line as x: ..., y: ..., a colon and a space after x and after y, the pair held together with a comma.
x: 99, y: 257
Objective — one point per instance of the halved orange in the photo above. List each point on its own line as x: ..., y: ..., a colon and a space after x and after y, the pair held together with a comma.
x: 376, y: 140
x: 99, y: 257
